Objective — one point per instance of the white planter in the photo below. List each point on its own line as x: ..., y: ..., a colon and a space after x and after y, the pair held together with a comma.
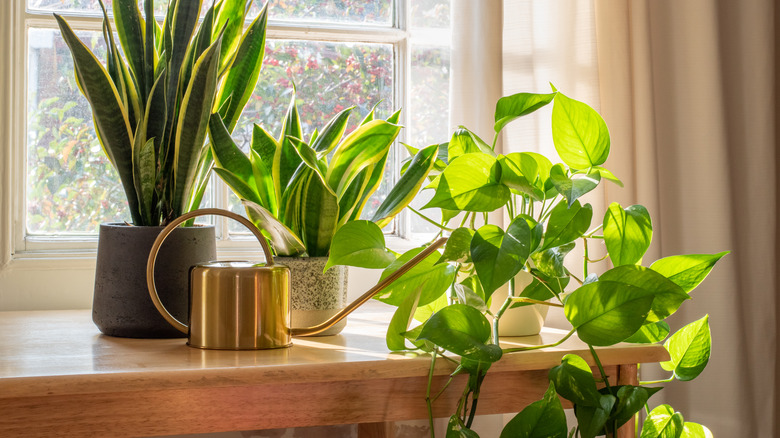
x: 315, y: 296
x: 520, y: 321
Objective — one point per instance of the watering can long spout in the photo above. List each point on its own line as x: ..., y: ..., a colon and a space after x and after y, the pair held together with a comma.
x: 240, y: 305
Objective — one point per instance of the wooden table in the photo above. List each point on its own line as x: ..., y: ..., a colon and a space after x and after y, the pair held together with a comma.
x: 60, y: 377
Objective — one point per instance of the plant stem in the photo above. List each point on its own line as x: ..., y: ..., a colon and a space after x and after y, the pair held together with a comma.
x: 538, y: 347
x: 463, y: 222
x: 544, y: 283
x: 495, y: 140
x: 593, y: 231
x: 504, y: 307
x: 473, y: 219
x: 585, y: 258
x: 652, y: 382
x: 433, y: 222
x: 604, y: 376
x: 533, y: 301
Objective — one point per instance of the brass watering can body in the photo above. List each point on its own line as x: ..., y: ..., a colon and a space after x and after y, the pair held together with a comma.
x: 245, y: 305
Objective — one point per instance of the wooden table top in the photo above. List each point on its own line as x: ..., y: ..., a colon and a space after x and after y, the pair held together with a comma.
x: 62, y: 352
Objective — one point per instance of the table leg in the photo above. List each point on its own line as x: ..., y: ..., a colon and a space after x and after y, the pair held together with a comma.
x: 376, y: 430
x: 628, y: 375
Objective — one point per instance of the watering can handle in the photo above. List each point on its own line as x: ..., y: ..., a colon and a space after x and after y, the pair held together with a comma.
x: 168, y: 229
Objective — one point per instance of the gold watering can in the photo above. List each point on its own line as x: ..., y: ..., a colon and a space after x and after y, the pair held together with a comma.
x: 245, y: 305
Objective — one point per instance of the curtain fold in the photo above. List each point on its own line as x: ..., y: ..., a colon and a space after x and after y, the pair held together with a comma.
x: 688, y: 90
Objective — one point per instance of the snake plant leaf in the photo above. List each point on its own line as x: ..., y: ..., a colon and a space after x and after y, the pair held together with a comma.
x: 575, y: 186
x: 131, y: 29
x: 458, y: 247
x: 284, y: 241
x: 244, y: 70
x: 155, y: 114
x: 574, y: 381
x: 332, y: 133
x: 464, y: 141
x: 668, y: 296
x: 360, y: 244
x: 695, y: 430
x: 407, y: 186
x: 567, y: 223
x: 541, y: 419
x: 687, y: 271
x: 192, y: 125
x: 227, y: 154
x: 630, y: 400
x: 181, y: 21
x: 663, y: 422
x: 309, y: 158
x: 627, y: 233
x: 319, y: 215
x: 239, y: 186
x: 286, y: 158
x: 435, y: 279
x: 110, y: 117
x: 471, y: 183
x: 509, y: 108
x: 202, y: 177
x: 264, y: 184
x: 349, y: 201
x: 150, y: 53
x: 365, y: 146
x: 143, y: 170
x: 520, y: 171
x: 230, y: 16
x: 650, y: 333
x: 399, y: 324
x: 290, y: 210
x: 689, y: 349
x: 266, y: 147
x: 499, y: 256
x: 579, y: 133
x: 591, y: 420
x: 462, y: 330
x: 607, y: 312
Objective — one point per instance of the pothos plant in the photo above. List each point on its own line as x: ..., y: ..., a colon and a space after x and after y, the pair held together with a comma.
x: 152, y: 100
x: 449, y: 292
x: 299, y: 192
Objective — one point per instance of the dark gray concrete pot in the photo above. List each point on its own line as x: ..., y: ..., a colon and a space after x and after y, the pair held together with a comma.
x: 121, y: 304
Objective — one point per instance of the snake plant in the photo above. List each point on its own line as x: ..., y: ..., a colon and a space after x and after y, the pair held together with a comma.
x: 301, y: 192
x: 152, y: 100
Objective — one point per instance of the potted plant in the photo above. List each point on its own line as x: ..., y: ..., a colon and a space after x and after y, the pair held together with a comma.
x: 301, y: 188
x: 151, y: 103
x: 627, y: 303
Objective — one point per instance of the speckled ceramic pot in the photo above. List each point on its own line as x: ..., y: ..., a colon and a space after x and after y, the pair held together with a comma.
x: 316, y: 296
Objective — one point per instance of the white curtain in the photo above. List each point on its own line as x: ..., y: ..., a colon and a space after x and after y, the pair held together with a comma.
x: 688, y: 90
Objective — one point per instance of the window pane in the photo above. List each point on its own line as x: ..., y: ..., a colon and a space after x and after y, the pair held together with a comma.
x: 429, y: 103
x: 372, y: 12
x: 328, y: 77
x: 430, y: 13
x: 71, y: 186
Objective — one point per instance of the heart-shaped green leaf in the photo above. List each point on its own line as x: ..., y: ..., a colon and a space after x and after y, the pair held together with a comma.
x: 579, y: 133
x: 407, y: 186
x: 499, y: 256
x: 470, y: 183
x: 462, y: 330
x: 435, y: 279
x: 574, y: 187
x: 592, y: 419
x: 663, y: 422
x: 668, y: 296
x: 630, y: 400
x: 361, y: 244
x: 400, y: 322
x: 695, y: 430
x: 567, y: 223
x: 687, y: 270
x: 550, y: 261
x: 627, y: 233
x: 541, y: 419
x: 458, y: 248
x: 607, y: 312
x: 689, y: 350
x: 464, y: 141
x: 650, y: 333
x: 542, y: 287
x: 456, y: 429
x: 509, y: 108
x: 574, y: 381
x: 520, y: 171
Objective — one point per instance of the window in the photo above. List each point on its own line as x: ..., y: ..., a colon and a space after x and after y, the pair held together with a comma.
x: 394, y: 53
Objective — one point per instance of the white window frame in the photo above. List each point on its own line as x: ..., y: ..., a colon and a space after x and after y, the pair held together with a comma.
x: 39, y: 272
